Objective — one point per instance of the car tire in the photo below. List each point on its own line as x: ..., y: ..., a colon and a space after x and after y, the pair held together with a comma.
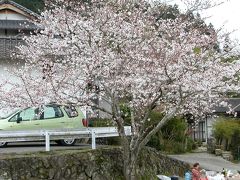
x: 67, y: 142
x: 58, y: 142
x: 3, y: 144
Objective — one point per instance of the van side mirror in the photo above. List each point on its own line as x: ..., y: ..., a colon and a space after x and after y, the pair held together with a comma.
x: 19, y: 119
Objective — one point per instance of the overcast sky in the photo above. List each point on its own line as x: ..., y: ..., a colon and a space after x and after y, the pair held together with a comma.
x: 226, y: 15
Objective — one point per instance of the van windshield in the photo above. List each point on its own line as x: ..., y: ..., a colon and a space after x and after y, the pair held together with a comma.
x: 7, y: 113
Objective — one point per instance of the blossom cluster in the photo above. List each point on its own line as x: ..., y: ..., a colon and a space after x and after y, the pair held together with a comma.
x: 127, y: 53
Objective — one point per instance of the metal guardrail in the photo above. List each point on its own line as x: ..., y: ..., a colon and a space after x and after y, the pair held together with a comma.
x: 47, y: 135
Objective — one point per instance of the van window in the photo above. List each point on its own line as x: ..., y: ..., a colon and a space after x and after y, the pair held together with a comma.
x: 71, y: 111
x: 26, y: 115
x: 52, y: 112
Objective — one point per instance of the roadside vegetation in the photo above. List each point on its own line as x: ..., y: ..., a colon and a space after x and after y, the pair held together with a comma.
x: 172, y: 138
x: 227, y: 134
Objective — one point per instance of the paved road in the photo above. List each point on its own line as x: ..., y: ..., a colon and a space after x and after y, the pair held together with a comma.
x: 26, y: 147
x: 207, y: 161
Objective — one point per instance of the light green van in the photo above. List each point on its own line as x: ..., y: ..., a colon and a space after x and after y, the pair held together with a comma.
x: 47, y: 117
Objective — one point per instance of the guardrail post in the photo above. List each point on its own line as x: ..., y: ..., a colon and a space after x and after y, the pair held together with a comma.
x: 47, y: 141
x: 93, y: 139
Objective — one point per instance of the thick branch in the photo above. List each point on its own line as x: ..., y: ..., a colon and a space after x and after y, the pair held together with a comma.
x: 165, y: 119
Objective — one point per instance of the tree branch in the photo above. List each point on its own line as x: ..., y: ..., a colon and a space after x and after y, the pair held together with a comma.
x: 165, y: 119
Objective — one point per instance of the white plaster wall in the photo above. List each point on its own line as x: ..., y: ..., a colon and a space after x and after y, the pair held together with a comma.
x: 12, y: 17
x: 210, y: 121
x: 7, y: 64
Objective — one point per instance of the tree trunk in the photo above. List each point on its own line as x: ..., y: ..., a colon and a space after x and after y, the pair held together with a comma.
x: 131, y: 152
x: 130, y: 166
x: 130, y: 156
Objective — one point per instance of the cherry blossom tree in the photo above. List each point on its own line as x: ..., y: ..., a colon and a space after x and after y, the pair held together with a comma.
x: 133, y: 58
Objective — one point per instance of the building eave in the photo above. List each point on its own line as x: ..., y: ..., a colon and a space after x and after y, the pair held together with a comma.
x: 8, y: 4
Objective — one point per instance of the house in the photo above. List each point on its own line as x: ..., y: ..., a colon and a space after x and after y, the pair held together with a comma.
x: 204, y: 129
x: 14, y: 22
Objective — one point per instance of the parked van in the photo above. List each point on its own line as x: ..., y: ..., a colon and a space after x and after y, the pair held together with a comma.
x: 48, y: 117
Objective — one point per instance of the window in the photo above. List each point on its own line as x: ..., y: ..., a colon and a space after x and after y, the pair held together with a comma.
x: 71, y: 111
x: 52, y: 112
x: 26, y: 115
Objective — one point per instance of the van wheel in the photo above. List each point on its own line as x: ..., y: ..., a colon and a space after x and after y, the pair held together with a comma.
x: 67, y: 142
x: 3, y: 144
x: 58, y: 142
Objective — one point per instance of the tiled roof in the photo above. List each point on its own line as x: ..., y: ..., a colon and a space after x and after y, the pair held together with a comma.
x: 28, y: 11
x: 17, y: 24
x: 233, y: 102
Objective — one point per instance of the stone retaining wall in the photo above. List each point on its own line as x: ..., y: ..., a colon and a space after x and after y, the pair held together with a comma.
x: 100, y: 164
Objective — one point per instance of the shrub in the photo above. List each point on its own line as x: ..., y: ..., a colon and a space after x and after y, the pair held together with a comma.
x: 175, y: 130
x: 198, y: 143
x: 173, y: 147
x: 155, y: 142
x: 235, y: 144
x: 224, y: 129
x: 172, y: 137
x: 191, y: 144
x: 100, y: 122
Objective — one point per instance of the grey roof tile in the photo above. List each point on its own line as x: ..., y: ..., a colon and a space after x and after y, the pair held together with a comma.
x: 233, y: 102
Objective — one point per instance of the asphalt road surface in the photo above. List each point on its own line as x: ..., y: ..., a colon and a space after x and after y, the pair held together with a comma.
x: 207, y: 161
x: 26, y: 147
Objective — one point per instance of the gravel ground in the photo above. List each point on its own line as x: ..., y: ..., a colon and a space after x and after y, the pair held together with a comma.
x: 207, y: 161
